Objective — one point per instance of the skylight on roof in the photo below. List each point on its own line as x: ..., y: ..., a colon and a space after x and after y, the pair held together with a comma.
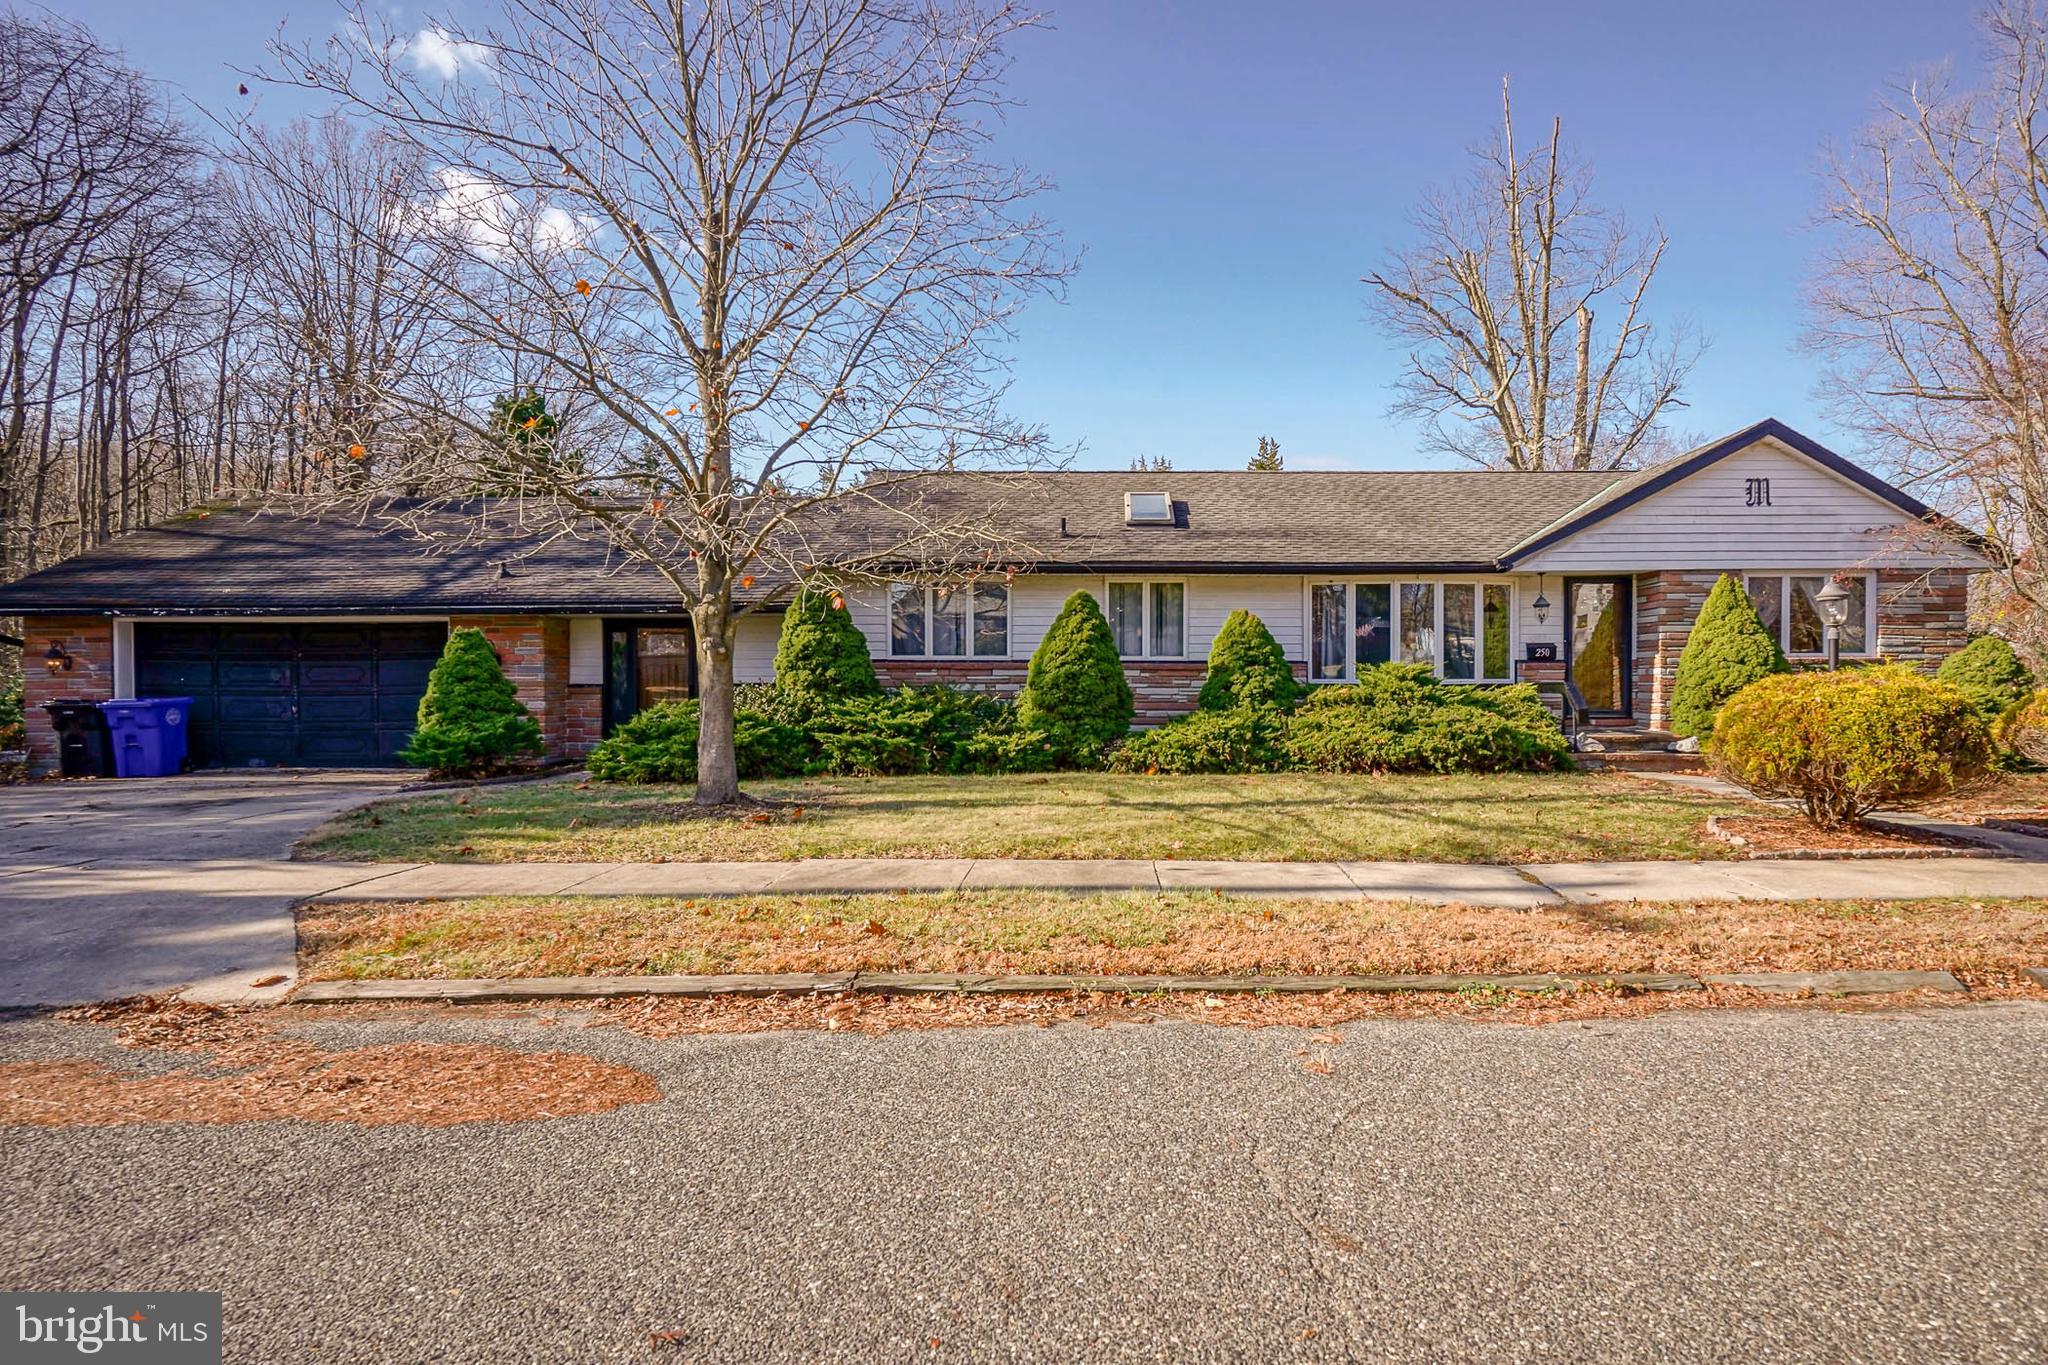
x: 1148, y: 509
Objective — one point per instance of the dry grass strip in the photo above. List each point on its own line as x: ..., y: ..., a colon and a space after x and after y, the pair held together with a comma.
x: 1181, y: 934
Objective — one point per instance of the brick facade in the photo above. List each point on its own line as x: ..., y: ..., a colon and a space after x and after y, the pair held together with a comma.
x: 89, y: 640
x: 583, y: 723
x: 534, y: 651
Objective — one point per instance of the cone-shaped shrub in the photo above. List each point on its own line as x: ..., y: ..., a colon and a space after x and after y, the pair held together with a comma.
x: 1991, y: 673
x: 822, y: 657
x: 1075, y: 695
x: 471, y: 721
x: 1729, y: 649
x: 1246, y: 667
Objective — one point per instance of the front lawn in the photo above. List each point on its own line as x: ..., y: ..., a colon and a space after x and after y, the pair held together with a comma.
x: 1202, y: 933
x: 1502, y: 818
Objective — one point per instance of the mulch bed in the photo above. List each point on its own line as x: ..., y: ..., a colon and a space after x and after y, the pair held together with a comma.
x: 1763, y: 835
x: 248, y: 1073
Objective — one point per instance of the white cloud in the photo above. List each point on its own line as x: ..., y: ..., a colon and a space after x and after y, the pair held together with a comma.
x: 494, y: 220
x: 434, y: 49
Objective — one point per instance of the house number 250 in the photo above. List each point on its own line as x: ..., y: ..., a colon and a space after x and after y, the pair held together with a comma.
x: 1756, y: 492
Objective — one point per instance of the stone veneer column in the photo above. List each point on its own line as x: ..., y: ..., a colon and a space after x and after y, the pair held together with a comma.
x: 89, y: 640
x: 1667, y: 604
x: 1923, y: 615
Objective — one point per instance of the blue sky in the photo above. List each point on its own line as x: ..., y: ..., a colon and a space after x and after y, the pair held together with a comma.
x: 1232, y: 170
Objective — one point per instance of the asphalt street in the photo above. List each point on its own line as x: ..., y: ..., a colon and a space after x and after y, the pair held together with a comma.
x: 1768, y: 1185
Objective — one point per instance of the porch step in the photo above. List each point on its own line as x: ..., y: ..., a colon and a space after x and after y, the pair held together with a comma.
x: 1641, y: 761
x: 1630, y: 738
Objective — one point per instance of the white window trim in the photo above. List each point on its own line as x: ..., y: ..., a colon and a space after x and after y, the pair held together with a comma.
x: 1145, y: 616
x: 1394, y: 585
x: 1870, y: 648
x: 930, y: 614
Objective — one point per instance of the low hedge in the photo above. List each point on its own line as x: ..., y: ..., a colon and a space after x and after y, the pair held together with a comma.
x: 909, y: 731
x: 1845, y: 743
x: 660, y: 745
x: 1399, y: 718
x: 1244, y: 739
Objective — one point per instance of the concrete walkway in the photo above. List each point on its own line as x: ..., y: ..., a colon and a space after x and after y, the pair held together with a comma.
x: 1511, y: 887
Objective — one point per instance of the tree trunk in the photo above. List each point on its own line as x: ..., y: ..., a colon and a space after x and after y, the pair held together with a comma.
x: 718, y: 781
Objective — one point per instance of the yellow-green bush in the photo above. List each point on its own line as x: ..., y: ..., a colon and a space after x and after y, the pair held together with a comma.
x: 2023, y: 729
x: 1843, y: 744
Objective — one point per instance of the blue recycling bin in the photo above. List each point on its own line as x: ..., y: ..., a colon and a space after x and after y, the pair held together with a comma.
x: 148, y: 735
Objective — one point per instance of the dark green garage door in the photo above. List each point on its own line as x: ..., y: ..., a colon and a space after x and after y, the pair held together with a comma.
x: 321, y: 696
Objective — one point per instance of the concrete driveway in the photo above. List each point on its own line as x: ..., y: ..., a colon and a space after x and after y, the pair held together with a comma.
x: 96, y: 896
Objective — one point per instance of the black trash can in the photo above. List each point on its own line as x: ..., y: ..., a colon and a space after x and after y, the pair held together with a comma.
x: 83, y: 747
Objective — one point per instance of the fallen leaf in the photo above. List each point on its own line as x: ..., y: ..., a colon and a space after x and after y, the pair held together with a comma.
x: 1328, y: 1039
x: 876, y: 928
x: 273, y: 979
x: 1318, y: 1066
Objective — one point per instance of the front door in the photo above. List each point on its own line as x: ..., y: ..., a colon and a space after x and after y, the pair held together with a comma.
x: 1597, y: 636
x: 645, y: 662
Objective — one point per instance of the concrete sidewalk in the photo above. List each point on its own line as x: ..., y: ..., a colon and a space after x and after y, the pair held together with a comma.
x: 214, y: 927
x: 1514, y: 887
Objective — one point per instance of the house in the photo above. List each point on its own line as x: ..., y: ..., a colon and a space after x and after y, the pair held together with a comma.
x: 309, y: 642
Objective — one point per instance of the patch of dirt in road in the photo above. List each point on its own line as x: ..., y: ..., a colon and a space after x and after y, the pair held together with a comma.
x: 247, y: 1074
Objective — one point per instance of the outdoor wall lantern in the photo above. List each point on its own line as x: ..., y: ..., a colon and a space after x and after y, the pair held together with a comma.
x: 1832, y: 602
x: 57, y: 661
x: 1542, y: 603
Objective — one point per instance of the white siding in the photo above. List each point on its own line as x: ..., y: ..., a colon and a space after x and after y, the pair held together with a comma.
x: 1816, y: 520
x: 1529, y: 630
x: 1035, y: 599
x: 753, y: 648
x: 586, y: 651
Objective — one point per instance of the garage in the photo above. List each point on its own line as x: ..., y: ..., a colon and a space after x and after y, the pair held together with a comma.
x: 328, y: 695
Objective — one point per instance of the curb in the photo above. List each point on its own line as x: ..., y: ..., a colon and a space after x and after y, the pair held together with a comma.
x: 541, y: 988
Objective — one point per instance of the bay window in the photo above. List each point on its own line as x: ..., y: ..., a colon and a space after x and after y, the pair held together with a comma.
x: 1785, y: 602
x: 956, y: 622
x: 1148, y: 619
x: 1461, y: 630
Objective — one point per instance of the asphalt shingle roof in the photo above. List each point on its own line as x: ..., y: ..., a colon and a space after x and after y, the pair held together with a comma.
x: 1225, y: 521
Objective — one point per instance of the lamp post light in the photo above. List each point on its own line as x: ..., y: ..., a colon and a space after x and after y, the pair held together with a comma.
x: 1832, y: 602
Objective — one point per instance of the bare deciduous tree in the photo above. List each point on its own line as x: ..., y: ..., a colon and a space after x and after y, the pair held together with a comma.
x: 94, y: 196
x: 761, y: 240
x: 1931, y: 301
x: 1500, y: 302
